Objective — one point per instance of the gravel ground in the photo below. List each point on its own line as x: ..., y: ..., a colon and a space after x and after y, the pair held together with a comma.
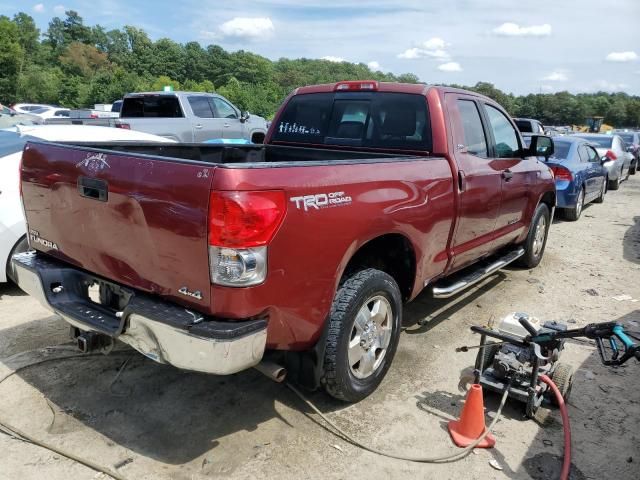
x: 156, y: 422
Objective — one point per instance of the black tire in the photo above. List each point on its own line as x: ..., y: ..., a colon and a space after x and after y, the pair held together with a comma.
x: 361, y: 288
x: 21, y: 245
x: 533, y: 251
x: 573, y: 214
x: 615, y: 184
x: 633, y: 167
x: 563, y: 378
x: 603, y: 191
x: 487, y: 355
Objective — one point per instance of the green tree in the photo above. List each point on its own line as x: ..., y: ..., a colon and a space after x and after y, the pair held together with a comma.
x: 11, y: 59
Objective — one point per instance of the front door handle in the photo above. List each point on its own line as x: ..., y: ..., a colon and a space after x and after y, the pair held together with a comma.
x: 198, y: 126
x: 226, y: 125
x: 507, y: 175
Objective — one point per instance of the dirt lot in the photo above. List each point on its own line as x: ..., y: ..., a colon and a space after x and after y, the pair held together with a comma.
x: 157, y: 422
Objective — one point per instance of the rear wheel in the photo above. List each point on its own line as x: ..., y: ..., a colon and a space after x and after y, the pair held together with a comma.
x: 603, y: 190
x: 537, y: 237
x: 633, y: 167
x: 615, y: 184
x: 573, y: 214
x: 364, y: 328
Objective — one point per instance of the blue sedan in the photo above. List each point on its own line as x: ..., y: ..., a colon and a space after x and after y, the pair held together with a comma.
x: 580, y: 176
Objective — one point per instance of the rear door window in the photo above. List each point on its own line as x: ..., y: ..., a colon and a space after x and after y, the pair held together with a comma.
x: 396, y: 121
x: 151, y: 106
x: 474, y: 137
x: 200, y: 106
x: 505, y: 136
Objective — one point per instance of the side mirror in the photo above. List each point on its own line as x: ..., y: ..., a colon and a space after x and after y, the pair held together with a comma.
x: 244, y: 116
x: 541, y: 146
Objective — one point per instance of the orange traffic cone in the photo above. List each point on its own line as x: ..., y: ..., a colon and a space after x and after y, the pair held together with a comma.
x: 471, y: 424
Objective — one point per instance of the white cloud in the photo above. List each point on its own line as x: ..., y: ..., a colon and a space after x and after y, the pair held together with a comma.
x: 433, y: 48
x: 510, y: 29
x: 622, y: 57
x: 606, y: 86
x: 556, y: 76
x: 38, y: 8
x: 59, y: 9
x: 247, y: 27
x: 373, y: 65
x: 331, y: 58
x: 450, y: 67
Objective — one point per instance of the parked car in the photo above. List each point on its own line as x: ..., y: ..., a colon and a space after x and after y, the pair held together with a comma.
x: 579, y: 175
x: 213, y: 258
x: 12, y: 225
x: 30, y: 107
x: 189, y: 117
x: 10, y: 118
x: 46, y: 113
x: 529, y: 125
x: 632, y: 140
x: 612, y: 150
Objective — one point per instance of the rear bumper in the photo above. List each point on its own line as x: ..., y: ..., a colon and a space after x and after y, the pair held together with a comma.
x: 566, y: 195
x: 163, y: 331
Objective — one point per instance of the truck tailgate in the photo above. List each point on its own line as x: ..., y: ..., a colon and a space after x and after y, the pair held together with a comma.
x: 137, y: 220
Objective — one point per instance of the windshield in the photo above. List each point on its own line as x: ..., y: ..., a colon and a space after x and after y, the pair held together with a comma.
x: 600, y: 141
x: 40, y: 110
x: 398, y: 121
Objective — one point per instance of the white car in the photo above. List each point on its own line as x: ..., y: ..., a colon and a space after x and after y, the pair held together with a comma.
x: 29, y: 107
x: 12, y: 225
x: 48, y: 112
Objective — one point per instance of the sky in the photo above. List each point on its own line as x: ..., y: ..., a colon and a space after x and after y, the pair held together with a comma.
x: 521, y: 47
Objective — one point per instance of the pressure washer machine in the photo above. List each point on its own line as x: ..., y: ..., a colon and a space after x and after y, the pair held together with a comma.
x: 526, y: 348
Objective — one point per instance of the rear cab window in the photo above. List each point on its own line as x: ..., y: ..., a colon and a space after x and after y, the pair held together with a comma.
x: 151, y: 106
x: 380, y: 120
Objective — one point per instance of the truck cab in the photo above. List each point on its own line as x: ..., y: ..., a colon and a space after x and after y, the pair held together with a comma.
x: 189, y: 117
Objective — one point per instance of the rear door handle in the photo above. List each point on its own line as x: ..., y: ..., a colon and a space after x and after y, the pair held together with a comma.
x: 507, y: 175
x: 462, y: 181
x: 198, y: 126
x: 93, y: 188
x: 227, y: 125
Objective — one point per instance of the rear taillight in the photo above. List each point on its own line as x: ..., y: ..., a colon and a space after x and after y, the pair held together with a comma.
x: 125, y: 126
x: 241, y: 224
x: 562, y: 173
x: 610, y: 155
x: 93, y: 115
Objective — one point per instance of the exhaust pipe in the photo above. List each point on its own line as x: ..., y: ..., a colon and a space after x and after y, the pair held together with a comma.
x: 273, y: 371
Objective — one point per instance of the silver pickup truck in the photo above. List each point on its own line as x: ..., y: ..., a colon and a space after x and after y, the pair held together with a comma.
x: 189, y: 117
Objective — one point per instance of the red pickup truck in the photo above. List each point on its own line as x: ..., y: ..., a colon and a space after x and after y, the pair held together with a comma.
x: 213, y: 257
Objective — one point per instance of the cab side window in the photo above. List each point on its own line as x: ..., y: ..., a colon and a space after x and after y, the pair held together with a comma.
x: 506, y: 137
x: 475, y: 140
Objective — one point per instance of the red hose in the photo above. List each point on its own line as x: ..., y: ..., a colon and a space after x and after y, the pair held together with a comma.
x: 566, y: 462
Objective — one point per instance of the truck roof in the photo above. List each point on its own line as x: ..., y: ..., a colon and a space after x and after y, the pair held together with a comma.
x: 162, y: 92
x: 392, y: 87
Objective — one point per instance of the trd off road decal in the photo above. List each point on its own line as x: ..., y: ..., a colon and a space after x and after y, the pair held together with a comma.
x: 321, y: 200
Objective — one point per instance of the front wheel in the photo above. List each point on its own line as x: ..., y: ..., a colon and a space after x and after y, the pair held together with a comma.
x: 537, y: 238
x: 364, y: 328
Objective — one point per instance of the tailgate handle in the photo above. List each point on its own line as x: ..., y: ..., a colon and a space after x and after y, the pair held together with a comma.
x: 93, y: 188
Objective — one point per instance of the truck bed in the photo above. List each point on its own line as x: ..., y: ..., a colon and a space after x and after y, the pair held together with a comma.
x: 137, y: 214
